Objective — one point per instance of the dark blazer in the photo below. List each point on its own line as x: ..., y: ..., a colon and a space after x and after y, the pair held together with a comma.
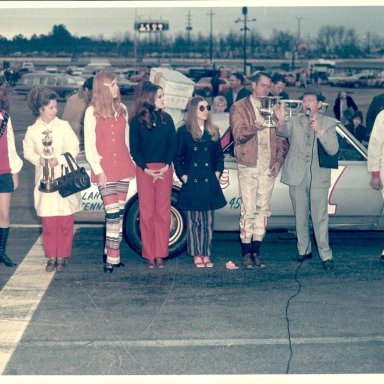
x: 244, y: 92
x: 295, y: 165
x: 350, y: 104
x: 199, y: 160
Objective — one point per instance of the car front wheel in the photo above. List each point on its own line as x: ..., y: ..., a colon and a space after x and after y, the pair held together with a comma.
x: 178, y: 232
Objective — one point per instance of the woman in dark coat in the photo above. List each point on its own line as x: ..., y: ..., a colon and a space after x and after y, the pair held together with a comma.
x: 344, y: 108
x: 199, y: 163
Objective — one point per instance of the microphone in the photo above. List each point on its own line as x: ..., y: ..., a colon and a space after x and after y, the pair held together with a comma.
x: 308, y: 112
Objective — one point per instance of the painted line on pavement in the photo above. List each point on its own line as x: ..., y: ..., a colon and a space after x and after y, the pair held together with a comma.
x: 205, y: 343
x: 19, y: 299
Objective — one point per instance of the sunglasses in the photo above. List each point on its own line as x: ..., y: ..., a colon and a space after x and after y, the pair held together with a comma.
x: 202, y: 108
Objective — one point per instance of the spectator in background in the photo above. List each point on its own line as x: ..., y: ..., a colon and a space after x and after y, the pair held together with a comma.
x: 219, y: 104
x: 344, y: 108
x: 358, y: 129
x: 377, y: 105
x: 215, y: 82
x: 376, y: 158
x: 4, y: 101
x: 237, y: 90
x: 278, y: 85
x: 74, y: 109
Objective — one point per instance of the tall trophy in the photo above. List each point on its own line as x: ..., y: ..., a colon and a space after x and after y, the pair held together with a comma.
x: 267, y: 110
x: 48, y: 183
x: 291, y: 107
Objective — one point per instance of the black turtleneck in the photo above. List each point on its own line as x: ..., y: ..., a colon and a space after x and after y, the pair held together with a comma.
x: 153, y: 145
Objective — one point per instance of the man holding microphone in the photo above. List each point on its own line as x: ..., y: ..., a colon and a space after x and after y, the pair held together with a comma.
x: 309, y: 182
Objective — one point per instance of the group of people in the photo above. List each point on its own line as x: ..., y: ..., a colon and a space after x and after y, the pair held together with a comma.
x: 146, y: 146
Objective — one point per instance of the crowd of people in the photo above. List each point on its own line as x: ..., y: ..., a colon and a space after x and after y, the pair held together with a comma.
x: 146, y: 146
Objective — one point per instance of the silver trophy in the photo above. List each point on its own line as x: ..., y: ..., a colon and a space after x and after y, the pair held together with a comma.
x: 267, y: 110
x: 48, y: 183
x: 323, y: 108
x: 291, y: 107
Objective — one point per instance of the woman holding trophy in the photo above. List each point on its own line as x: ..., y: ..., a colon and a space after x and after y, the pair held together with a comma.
x: 106, y: 150
x: 44, y: 144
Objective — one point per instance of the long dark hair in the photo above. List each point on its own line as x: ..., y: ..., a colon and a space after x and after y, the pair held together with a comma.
x: 144, y: 103
x: 192, y: 124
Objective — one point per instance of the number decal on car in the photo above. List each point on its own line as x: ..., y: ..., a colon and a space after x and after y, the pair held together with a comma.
x: 335, y: 177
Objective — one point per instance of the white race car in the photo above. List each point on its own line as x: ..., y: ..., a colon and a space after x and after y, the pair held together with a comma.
x: 352, y: 203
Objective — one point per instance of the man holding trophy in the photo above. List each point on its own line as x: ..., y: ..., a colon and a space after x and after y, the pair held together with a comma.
x: 44, y: 144
x: 260, y: 154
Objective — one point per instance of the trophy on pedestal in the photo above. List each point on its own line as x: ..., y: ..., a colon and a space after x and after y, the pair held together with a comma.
x: 267, y: 110
x: 291, y: 107
x: 48, y: 183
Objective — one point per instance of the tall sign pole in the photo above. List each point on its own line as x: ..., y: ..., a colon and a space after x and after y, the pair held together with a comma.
x: 244, y: 29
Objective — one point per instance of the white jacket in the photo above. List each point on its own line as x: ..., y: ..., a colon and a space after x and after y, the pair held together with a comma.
x: 376, y: 146
x: 14, y: 160
x: 63, y: 140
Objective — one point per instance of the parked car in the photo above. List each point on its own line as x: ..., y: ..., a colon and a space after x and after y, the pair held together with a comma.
x: 126, y: 86
x: 204, y: 87
x: 354, y: 81
x: 63, y: 85
x: 352, y: 203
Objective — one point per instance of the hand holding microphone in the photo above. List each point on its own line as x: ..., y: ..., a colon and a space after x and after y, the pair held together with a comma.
x: 313, y: 121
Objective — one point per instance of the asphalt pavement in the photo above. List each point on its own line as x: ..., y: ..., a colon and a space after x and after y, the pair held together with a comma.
x: 286, y: 320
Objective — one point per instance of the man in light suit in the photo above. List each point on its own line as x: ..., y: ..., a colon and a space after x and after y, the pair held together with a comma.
x: 308, y: 182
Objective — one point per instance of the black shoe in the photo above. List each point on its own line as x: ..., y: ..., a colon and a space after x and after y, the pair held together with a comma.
x: 7, y: 261
x: 108, y: 268
x: 300, y: 258
x: 119, y: 265
x: 328, y: 265
x: 382, y: 259
x: 259, y: 263
x: 247, y: 261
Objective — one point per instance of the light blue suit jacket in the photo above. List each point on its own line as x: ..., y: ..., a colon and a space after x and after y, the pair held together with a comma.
x: 295, y: 165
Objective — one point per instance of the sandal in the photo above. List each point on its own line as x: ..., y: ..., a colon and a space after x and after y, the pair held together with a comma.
x: 207, y: 262
x: 51, y: 264
x: 60, y: 264
x: 199, y: 263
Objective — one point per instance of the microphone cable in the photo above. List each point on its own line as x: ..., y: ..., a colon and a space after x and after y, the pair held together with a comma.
x: 307, y: 114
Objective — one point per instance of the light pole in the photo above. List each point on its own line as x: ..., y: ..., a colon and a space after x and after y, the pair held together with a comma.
x: 210, y: 14
x: 188, y: 28
x: 295, y: 43
x: 244, y: 29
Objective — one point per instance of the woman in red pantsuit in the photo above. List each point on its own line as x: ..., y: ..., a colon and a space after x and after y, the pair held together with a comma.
x: 153, y: 144
x: 106, y: 150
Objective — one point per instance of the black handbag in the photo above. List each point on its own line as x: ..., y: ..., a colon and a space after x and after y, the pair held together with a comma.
x: 326, y: 160
x: 74, y: 181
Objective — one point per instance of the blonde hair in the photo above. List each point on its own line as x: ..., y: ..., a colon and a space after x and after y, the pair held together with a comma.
x: 192, y: 124
x: 102, y: 101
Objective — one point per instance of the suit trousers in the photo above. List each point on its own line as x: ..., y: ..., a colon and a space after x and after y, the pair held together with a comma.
x: 155, y: 211
x: 58, y: 235
x: 256, y: 187
x: 311, y: 201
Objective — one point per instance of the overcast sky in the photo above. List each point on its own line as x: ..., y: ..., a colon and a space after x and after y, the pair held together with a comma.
x: 114, y: 18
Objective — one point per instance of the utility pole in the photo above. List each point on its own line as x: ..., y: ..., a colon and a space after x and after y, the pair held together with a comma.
x: 210, y: 14
x: 295, y: 43
x: 189, y: 29
x: 244, y: 29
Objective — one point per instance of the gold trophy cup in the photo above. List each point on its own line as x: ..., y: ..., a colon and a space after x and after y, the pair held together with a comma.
x: 291, y: 107
x: 267, y: 110
x: 48, y: 183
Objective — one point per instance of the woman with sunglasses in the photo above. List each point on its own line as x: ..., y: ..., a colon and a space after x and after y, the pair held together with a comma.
x: 153, y: 144
x: 199, y: 163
